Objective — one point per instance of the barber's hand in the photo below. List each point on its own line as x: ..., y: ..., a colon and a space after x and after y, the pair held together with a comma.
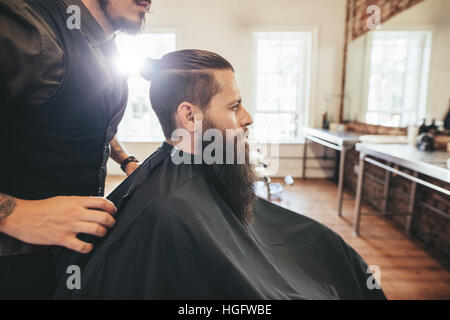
x: 129, y: 169
x: 57, y: 221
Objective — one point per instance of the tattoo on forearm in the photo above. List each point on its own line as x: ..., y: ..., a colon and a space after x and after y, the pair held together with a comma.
x: 7, y: 206
x: 118, y: 153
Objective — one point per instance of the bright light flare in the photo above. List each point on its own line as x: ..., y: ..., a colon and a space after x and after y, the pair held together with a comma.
x: 135, y: 49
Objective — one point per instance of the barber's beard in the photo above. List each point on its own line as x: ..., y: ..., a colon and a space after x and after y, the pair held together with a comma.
x: 235, y: 182
x: 121, y: 23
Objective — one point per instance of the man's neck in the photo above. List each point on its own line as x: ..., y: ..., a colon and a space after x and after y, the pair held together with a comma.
x: 94, y: 8
x: 185, y: 146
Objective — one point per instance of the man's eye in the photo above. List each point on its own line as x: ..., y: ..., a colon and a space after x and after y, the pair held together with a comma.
x: 235, y: 107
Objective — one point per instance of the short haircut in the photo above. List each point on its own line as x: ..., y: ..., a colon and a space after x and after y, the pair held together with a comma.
x: 182, y: 76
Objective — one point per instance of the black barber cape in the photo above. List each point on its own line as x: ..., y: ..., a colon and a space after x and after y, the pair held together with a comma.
x: 175, y: 238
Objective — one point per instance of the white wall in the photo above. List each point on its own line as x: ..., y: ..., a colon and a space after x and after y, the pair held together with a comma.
x: 431, y: 15
x: 439, y: 85
x: 223, y: 26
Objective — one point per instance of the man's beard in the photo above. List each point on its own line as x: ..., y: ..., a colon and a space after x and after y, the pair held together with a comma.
x: 235, y: 182
x: 121, y: 23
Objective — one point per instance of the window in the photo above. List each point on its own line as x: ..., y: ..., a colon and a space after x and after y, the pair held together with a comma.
x: 282, y: 82
x: 140, y: 122
x: 397, y: 84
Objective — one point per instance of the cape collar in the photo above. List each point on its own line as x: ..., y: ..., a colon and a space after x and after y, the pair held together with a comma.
x: 140, y: 175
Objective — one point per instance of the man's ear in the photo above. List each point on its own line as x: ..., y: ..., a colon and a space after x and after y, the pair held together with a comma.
x: 188, y: 114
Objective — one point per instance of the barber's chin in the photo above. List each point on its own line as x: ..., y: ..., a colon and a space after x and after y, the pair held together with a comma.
x: 131, y: 26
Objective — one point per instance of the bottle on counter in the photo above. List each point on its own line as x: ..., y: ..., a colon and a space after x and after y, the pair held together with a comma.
x: 325, y: 122
x: 423, y: 127
x: 432, y: 126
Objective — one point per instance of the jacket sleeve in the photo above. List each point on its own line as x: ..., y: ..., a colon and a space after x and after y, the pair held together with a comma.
x: 20, y: 49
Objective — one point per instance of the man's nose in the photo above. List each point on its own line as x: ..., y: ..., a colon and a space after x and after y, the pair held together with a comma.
x: 246, y: 118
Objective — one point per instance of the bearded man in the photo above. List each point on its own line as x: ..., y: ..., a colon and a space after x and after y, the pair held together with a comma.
x: 61, y: 100
x: 189, y: 225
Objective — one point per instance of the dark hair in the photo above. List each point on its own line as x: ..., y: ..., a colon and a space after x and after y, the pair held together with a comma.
x: 180, y: 76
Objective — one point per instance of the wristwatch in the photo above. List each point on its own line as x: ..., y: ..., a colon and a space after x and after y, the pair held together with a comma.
x: 125, y: 162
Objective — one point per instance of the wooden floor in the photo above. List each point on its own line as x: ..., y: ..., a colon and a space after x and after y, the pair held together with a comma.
x: 407, y: 271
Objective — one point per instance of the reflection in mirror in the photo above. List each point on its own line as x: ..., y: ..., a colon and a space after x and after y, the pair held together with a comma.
x: 399, y: 74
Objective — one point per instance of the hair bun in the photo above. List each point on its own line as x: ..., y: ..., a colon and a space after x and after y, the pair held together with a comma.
x: 150, y: 68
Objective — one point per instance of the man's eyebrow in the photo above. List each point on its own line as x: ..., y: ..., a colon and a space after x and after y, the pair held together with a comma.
x: 236, y: 101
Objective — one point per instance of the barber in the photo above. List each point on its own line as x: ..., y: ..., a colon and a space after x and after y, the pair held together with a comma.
x: 61, y: 100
